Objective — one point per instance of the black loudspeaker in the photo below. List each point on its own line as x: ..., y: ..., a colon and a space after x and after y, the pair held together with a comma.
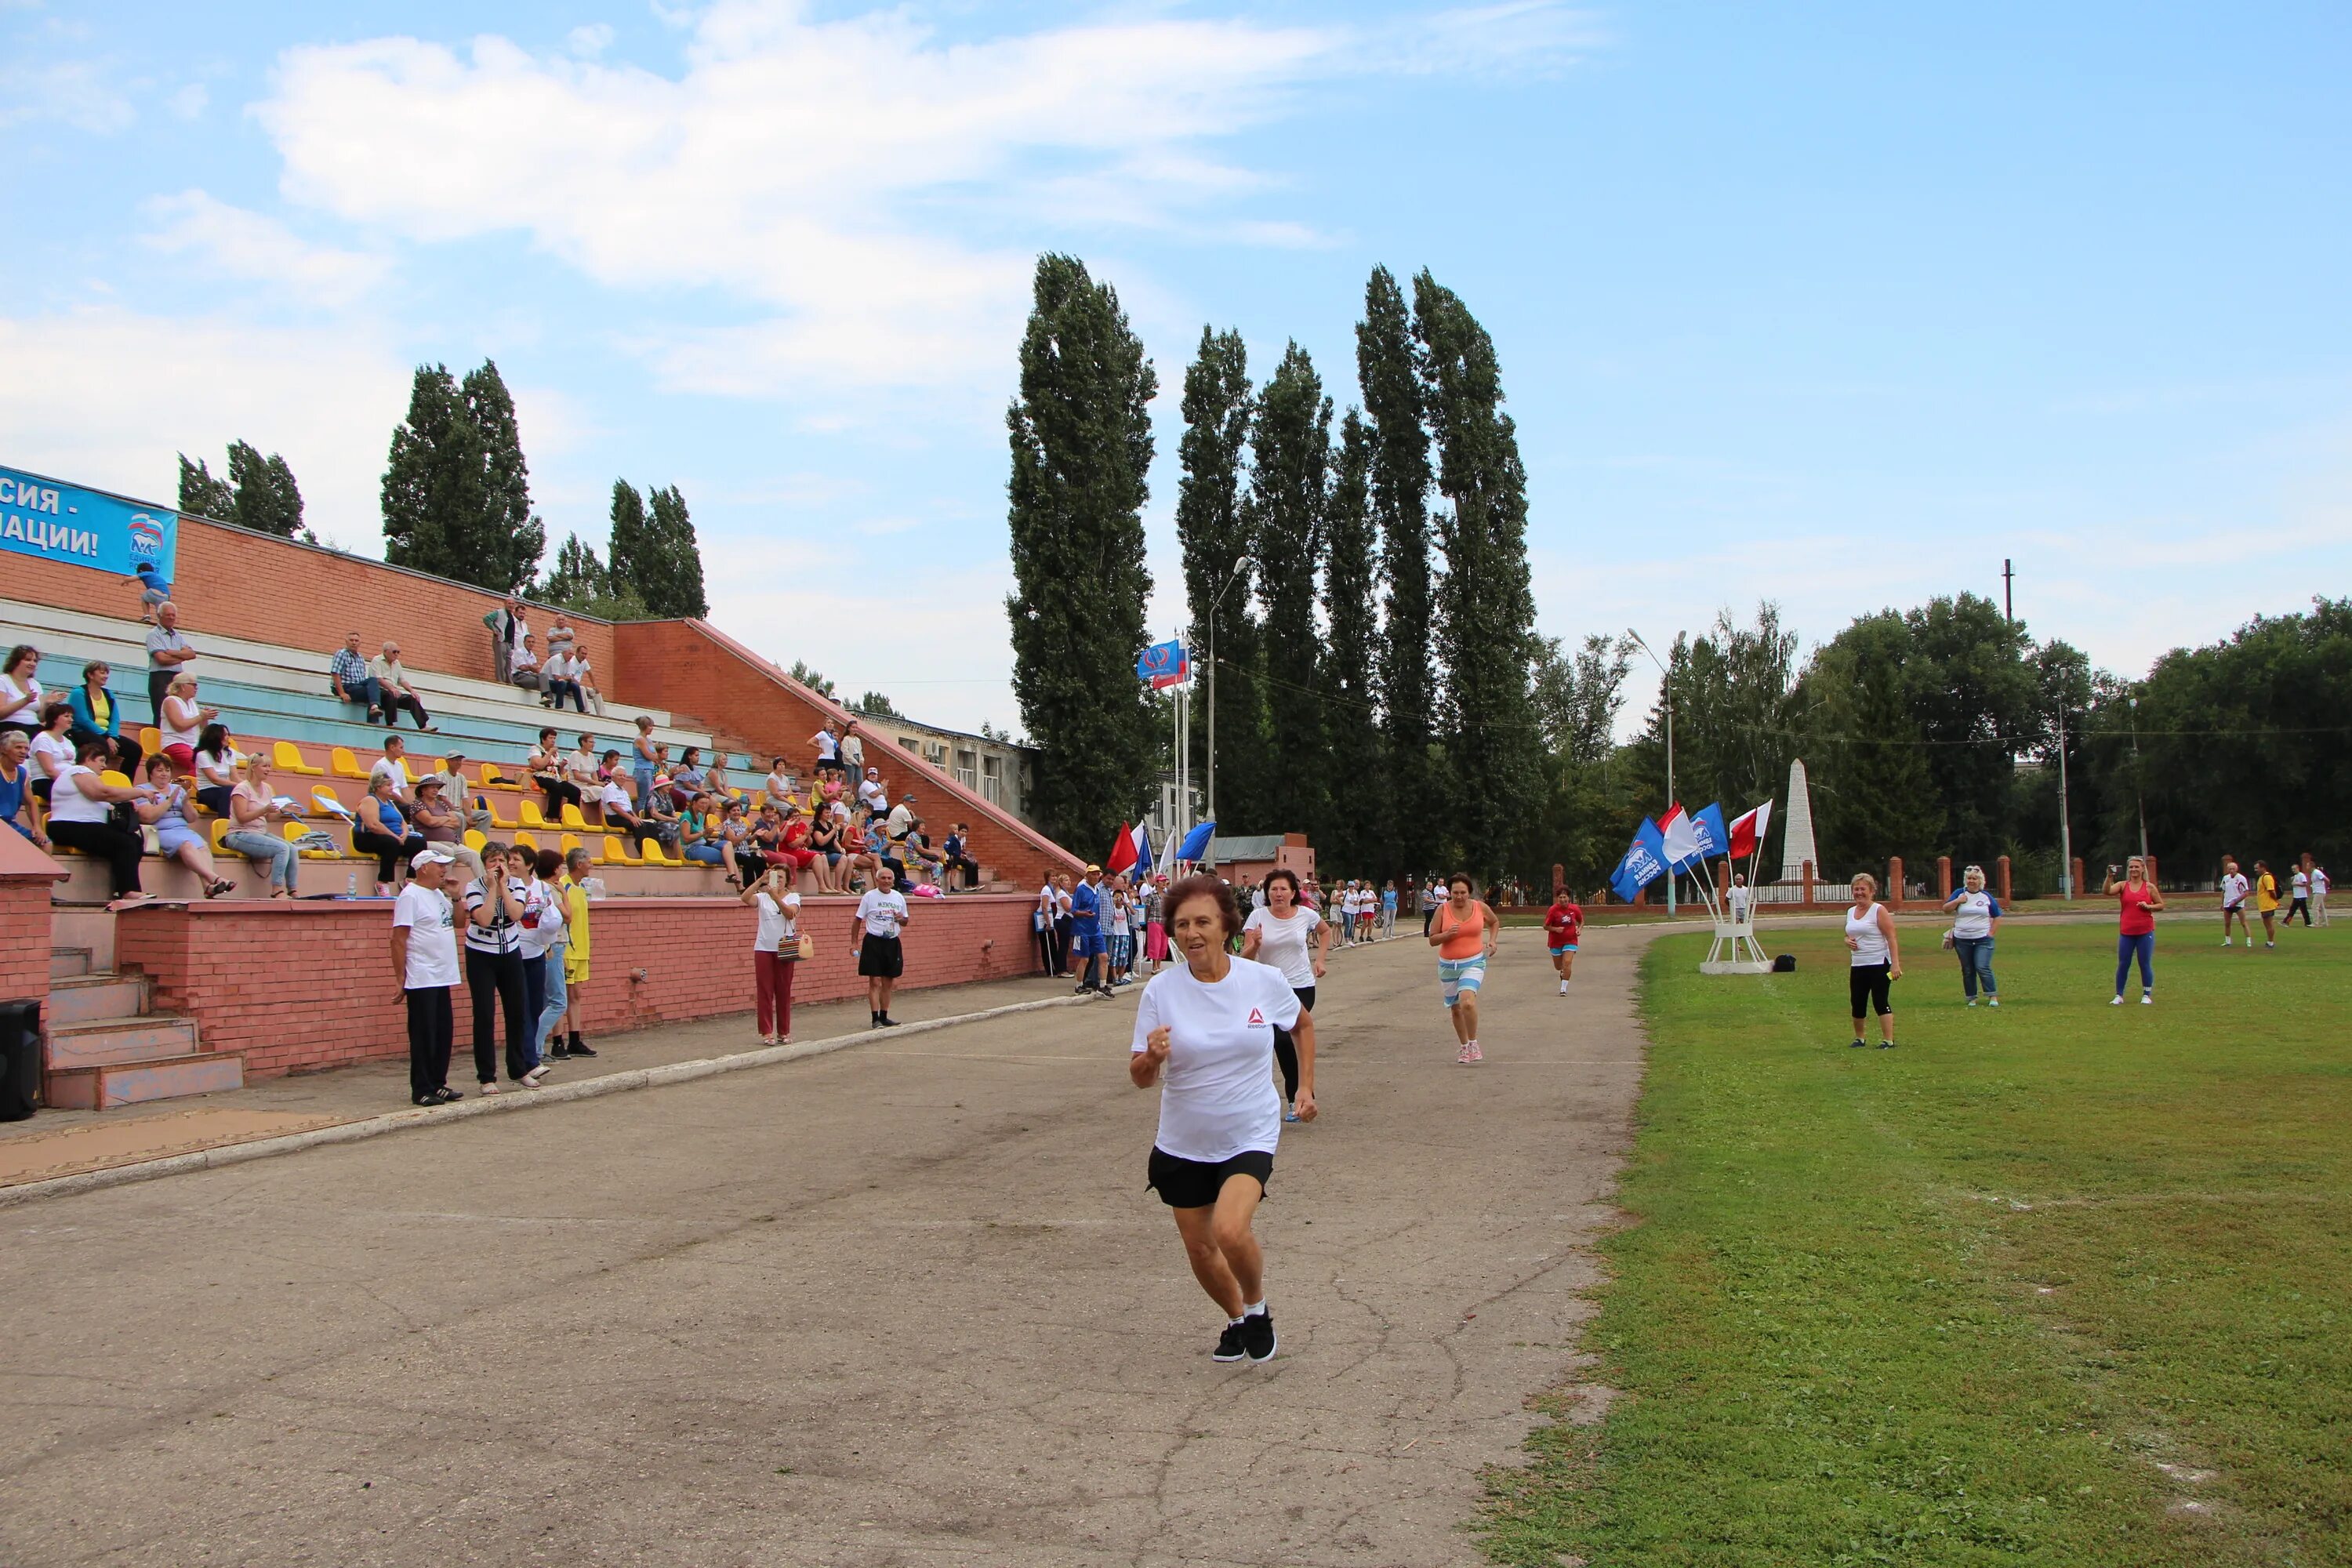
x: 20, y: 1060
x: 1785, y: 964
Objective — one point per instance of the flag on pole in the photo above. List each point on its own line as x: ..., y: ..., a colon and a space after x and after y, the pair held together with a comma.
x: 1196, y: 843
x: 1712, y: 837
x: 1122, y: 850
x: 1142, y: 851
x: 1679, y: 837
x: 1163, y: 665
x: 1747, y: 831
x: 1644, y: 864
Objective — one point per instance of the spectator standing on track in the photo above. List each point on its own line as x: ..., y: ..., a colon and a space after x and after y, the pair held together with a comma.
x: 2319, y: 893
x: 394, y: 693
x: 2267, y: 902
x: 2137, y: 903
x: 1388, y: 909
x: 552, y: 936
x: 1065, y: 927
x: 1155, y: 922
x: 98, y: 714
x: 21, y: 704
x: 775, y: 948
x: 874, y: 941
x: 167, y: 654
x: 2299, y: 884
x: 1429, y: 899
x: 349, y: 680
x: 494, y: 911
x: 425, y: 962
x: 575, y: 963
x: 543, y: 924
x: 253, y: 808
x: 1085, y: 931
x: 16, y: 789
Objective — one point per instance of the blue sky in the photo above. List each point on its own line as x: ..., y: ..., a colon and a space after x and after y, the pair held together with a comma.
x: 1837, y: 305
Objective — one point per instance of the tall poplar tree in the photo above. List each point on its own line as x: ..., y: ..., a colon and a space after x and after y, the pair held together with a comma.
x: 1081, y: 439
x: 1387, y: 374
x: 671, y: 581
x: 456, y: 491
x: 260, y: 493
x: 1290, y: 459
x: 1485, y: 604
x: 1215, y: 535
x: 1354, y: 840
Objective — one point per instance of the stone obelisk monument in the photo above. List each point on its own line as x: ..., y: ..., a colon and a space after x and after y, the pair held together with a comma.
x: 1797, y: 837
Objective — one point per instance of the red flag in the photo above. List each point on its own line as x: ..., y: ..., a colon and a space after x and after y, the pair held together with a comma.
x: 1122, y: 850
x: 1747, y: 832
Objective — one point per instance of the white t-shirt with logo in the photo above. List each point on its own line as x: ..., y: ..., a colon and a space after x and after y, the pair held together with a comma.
x: 2234, y: 888
x: 1973, y: 915
x: 882, y: 912
x: 432, y: 936
x: 1287, y: 946
x: 1217, y: 1097
x: 776, y: 921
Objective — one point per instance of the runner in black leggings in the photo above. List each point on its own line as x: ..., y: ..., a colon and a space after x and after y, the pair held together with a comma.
x: 1296, y: 941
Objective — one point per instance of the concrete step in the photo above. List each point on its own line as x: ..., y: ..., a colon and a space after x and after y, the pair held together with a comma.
x: 96, y: 998
x: 156, y: 1036
x: 105, y: 1086
x: 65, y: 962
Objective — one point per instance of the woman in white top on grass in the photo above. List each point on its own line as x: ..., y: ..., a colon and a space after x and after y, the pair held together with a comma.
x: 1296, y: 941
x: 1207, y: 1026
x: 1976, y: 916
x: 1877, y: 958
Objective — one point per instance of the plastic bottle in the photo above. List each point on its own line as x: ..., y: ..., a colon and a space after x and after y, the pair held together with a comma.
x: 351, y: 885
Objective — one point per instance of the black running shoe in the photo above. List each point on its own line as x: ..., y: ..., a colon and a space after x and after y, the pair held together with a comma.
x: 887, y: 1021
x: 1229, y: 1344
x: 1887, y: 1045
x: 1857, y: 1044
x: 579, y: 1050
x: 1258, y: 1336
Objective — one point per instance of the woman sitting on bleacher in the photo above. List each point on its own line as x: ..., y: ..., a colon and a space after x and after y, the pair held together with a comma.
x: 441, y: 821
x: 20, y: 689
x: 163, y: 805
x: 252, y: 807
x: 184, y: 719
x: 81, y: 812
x: 780, y: 782
x: 216, y: 763
x: 698, y: 833
x: 687, y: 781
x: 735, y: 843
x: 382, y: 831
x: 53, y: 750
x: 824, y: 838
x: 546, y: 768
x: 99, y: 716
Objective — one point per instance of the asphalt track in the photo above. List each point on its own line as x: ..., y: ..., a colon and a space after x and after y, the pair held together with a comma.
x: 909, y: 1303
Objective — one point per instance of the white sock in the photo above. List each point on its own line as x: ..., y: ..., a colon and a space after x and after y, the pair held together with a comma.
x: 1234, y: 1323
x: 1254, y: 1310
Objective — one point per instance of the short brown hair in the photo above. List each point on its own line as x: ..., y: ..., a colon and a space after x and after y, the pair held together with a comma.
x: 1203, y: 886
x: 1285, y: 874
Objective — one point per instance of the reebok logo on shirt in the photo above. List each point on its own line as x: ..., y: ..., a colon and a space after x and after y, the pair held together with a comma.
x: 1257, y: 1017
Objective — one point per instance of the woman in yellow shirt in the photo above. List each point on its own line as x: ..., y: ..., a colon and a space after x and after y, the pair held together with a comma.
x: 2267, y: 902
x: 576, y: 958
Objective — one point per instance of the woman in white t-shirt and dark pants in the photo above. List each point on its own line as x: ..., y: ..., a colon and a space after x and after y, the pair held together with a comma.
x: 775, y: 948
x: 1877, y: 958
x: 1296, y: 941
x: 1207, y: 1027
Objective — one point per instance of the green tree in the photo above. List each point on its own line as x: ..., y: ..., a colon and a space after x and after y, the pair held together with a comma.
x: 1220, y: 569
x: 1485, y: 604
x: 1405, y: 683
x: 1874, y: 796
x: 457, y: 493
x: 626, y: 543
x: 202, y: 494
x: 671, y: 581
x: 267, y: 500
x: 878, y: 705
x: 1354, y: 834
x: 811, y: 679
x: 583, y: 584
x: 1081, y: 445
x: 1290, y: 451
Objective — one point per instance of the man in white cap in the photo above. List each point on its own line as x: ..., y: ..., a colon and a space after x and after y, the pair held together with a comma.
x: 425, y: 962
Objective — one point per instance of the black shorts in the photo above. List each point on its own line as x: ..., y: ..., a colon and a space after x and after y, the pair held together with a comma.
x: 1868, y: 983
x: 881, y: 957
x: 1195, y: 1183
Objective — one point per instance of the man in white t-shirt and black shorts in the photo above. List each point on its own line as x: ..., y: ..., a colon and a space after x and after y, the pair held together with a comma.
x: 874, y: 942
x: 2234, y: 889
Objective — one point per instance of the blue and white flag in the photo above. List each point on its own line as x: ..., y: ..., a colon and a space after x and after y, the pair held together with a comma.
x: 1164, y: 664
x: 1713, y: 838
x: 1645, y: 862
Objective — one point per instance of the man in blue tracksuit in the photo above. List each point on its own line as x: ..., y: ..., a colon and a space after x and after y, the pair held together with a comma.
x: 1089, y: 907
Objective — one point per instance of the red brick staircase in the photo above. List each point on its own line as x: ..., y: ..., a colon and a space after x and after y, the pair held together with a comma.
x: 107, y: 1046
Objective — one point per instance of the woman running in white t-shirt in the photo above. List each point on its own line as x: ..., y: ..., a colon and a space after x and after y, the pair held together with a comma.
x: 1877, y: 958
x: 1296, y: 941
x: 1207, y: 1026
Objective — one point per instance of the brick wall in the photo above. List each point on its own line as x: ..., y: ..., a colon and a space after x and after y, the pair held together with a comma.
x: 309, y: 985
x: 241, y: 584
x: 26, y: 878
x: 690, y: 667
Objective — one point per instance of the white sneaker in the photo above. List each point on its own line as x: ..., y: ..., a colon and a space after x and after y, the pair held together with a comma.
x: 1992, y: 1002
x: 1972, y: 1001
x: 2118, y: 1002
x: 2148, y: 999
x: 1563, y: 987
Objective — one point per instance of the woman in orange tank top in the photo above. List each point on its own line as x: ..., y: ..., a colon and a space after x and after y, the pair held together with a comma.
x: 1464, y: 936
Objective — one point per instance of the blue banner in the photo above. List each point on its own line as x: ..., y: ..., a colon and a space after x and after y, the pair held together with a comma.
x: 1645, y: 862
x: 82, y: 528
x: 1196, y: 843
x: 1162, y: 664
x: 1714, y: 840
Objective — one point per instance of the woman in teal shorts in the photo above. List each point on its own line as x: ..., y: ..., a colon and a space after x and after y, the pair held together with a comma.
x: 1463, y: 934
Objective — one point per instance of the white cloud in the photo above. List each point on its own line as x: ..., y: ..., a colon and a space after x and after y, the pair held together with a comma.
x: 590, y: 41
x: 815, y: 168
x: 189, y: 102
x: 78, y: 93
x: 104, y: 397
x: 242, y: 244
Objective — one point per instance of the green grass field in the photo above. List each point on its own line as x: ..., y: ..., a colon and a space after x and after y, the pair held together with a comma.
x: 1964, y: 1301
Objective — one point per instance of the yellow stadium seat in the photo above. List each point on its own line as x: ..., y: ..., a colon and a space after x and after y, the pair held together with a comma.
x: 220, y: 831
x: 623, y: 849
x: 294, y: 830
x: 287, y: 757
x: 341, y: 764
x: 493, y: 774
x: 567, y: 844
x: 759, y: 798
x: 151, y: 740
x: 476, y: 838
x: 118, y: 780
x: 322, y: 794
x: 572, y: 817
x: 503, y: 824
x: 525, y: 841
x: 531, y: 816
x: 608, y: 853
x: 409, y: 773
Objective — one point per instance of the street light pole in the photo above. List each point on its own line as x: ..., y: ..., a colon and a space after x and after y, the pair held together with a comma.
x: 2138, y: 799
x: 1666, y: 684
x: 1232, y: 577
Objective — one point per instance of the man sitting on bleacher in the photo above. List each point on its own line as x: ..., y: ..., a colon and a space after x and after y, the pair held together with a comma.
x: 613, y: 800
x: 472, y: 811
x: 393, y: 691
x: 388, y: 765
x: 348, y: 677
